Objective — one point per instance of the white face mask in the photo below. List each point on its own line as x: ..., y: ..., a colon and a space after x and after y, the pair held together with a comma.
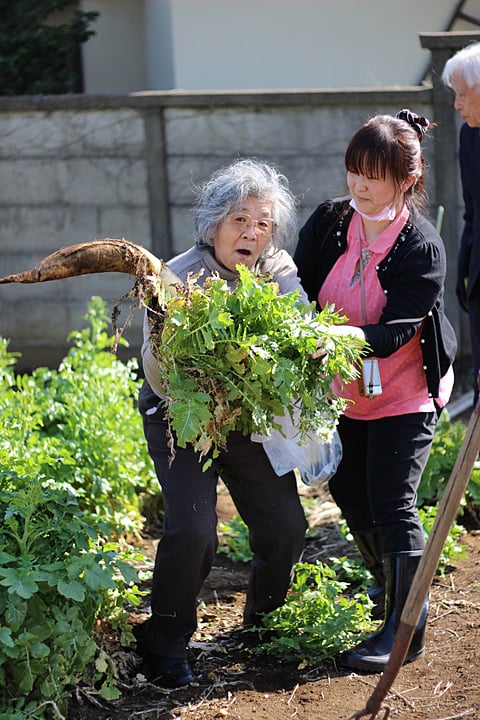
x: 388, y: 213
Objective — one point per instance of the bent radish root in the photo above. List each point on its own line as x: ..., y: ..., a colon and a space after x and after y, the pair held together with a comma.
x: 154, y: 281
x: 97, y: 256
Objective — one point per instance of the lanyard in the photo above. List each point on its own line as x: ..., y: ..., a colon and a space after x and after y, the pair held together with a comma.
x: 362, y: 280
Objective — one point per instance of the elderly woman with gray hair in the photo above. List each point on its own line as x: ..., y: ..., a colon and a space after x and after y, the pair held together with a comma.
x: 245, y: 215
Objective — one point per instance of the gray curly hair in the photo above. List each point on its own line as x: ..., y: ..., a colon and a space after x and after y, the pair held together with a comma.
x: 229, y: 186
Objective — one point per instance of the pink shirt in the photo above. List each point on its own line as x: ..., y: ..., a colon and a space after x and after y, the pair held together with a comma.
x: 402, y: 375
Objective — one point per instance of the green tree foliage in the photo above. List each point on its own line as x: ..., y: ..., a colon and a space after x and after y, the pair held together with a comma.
x: 38, y: 57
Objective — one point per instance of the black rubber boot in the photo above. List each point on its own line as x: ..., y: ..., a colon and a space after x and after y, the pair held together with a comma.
x: 373, y: 653
x: 368, y: 544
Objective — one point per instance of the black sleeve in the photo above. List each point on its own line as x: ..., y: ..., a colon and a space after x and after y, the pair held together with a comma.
x: 306, y: 254
x: 384, y: 340
x: 415, y: 284
x: 463, y: 262
x: 314, y: 255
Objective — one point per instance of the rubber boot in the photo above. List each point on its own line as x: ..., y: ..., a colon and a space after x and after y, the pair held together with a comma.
x: 368, y: 544
x: 373, y: 653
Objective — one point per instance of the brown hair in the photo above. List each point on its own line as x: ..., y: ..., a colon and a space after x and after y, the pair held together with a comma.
x: 388, y: 145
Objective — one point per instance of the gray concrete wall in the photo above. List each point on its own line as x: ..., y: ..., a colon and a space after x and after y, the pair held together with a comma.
x: 82, y: 167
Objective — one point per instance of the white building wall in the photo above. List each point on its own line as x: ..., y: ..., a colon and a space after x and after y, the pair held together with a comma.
x: 114, y: 58
x: 159, y: 56
x: 221, y: 44
x: 261, y: 44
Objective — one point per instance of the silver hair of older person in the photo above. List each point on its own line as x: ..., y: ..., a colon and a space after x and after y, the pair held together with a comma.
x: 466, y: 64
x: 229, y: 186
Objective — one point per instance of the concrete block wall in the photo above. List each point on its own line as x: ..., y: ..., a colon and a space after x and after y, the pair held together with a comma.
x: 67, y: 176
x: 76, y: 168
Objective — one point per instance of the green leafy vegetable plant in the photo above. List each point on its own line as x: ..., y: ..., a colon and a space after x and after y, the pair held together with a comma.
x: 239, y: 359
x: 317, y: 620
x: 445, y: 448
x: 452, y: 549
x: 73, y: 468
x: 55, y: 575
x: 235, y: 540
x: 78, y: 425
x: 353, y: 571
x: 325, y: 610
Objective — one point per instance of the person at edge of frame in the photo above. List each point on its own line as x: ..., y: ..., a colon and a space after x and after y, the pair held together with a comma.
x: 462, y: 73
x: 245, y: 214
x: 377, y: 257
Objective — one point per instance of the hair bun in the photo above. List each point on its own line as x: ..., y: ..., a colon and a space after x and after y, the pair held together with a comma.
x: 417, y: 122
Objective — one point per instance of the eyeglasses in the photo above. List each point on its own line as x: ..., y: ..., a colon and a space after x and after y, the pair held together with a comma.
x: 264, y: 227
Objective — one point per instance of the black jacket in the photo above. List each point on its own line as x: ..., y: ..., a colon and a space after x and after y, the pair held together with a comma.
x: 469, y: 253
x: 412, y: 276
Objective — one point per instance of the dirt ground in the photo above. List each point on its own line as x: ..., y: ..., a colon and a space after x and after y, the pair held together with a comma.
x: 234, y: 684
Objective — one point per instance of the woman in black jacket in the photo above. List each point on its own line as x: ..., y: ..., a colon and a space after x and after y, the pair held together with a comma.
x: 382, y: 264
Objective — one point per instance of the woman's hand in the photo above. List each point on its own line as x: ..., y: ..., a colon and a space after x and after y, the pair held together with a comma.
x: 323, y: 348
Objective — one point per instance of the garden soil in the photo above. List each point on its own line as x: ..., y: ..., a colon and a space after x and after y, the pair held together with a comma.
x: 234, y: 684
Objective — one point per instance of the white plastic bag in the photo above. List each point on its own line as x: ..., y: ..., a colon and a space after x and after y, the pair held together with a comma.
x: 316, y: 460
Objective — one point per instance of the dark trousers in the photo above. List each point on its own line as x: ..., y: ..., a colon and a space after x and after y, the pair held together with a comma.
x: 377, y: 479
x: 269, y: 505
x: 474, y: 320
